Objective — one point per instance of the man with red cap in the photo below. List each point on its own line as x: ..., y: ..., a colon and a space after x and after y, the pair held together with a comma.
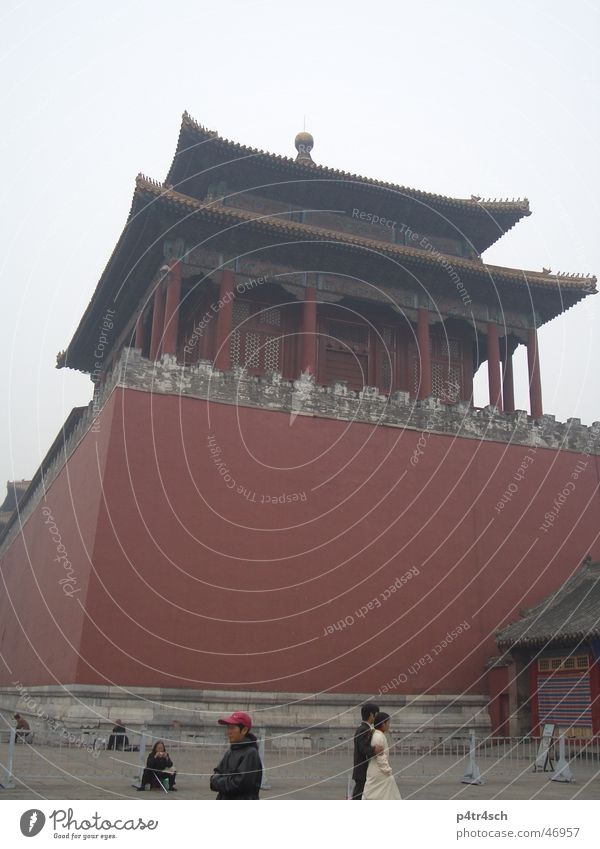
x: 239, y: 774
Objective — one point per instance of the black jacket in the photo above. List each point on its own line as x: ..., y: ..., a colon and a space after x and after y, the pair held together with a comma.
x: 363, y: 751
x: 239, y: 774
x: 158, y: 763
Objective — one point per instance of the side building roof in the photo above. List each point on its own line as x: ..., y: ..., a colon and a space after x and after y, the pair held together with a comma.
x: 570, y: 614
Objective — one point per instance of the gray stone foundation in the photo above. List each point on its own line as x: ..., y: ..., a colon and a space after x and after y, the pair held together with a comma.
x: 193, y: 713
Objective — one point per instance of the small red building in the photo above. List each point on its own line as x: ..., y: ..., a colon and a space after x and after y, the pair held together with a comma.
x: 552, y: 660
x: 281, y: 486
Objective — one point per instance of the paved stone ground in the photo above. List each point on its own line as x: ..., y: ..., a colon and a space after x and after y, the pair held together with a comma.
x: 70, y: 773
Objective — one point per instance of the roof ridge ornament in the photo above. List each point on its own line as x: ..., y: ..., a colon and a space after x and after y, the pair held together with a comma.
x: 304, y: 143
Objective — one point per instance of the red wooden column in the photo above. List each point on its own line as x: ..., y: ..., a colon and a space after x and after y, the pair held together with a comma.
x: 309, y: 331
x: 535, y: 381
x: 508, y: 384
x: 139, y: 331
x: 595, y: 693
x: 534, y: 698
x: 224, y: 320
x: 158, y: 320
x: 424, y: 388
x: 493, y: 345
x: 169, y: 345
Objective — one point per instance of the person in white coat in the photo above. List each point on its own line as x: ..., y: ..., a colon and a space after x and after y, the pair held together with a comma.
x: 380, y: 783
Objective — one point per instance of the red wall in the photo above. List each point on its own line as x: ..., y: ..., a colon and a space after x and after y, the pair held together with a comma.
x: 195, y: 585
x: 42, y: 619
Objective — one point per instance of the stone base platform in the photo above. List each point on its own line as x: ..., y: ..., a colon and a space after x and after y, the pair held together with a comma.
x: 324, y: 716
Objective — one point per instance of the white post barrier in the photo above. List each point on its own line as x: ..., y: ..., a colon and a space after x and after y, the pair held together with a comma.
x: 9, y: 781
x: 262, y: 735
x: 473, y: 773
x: 141, y: 758
x: 563, y: 770
x: 350, y: 788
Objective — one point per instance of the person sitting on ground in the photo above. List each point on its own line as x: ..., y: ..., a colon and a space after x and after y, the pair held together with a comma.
x: 118, y: 740
x: 239, y: 773
x: 159, y: 768
x: 23, y: 732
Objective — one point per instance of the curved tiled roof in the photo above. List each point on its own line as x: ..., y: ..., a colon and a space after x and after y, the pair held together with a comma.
x: 519, y: 206
x: 213, y: 210
x: 570, y: 614
x: 129, y: 259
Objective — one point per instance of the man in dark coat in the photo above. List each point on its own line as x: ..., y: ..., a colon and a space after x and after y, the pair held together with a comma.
x: 239, y: 774
x: 363, y: 751
x: 118, y: 739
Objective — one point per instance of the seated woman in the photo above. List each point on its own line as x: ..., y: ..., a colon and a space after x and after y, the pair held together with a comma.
x: 159, y: 767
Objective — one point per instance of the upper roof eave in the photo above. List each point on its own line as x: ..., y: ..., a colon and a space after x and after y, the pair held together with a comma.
x: 575, y: 281
x: 149, y: 192
x: 517, y: 208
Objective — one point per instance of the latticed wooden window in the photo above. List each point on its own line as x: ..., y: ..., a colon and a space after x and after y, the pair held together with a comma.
x: 256, y: 345
x: 252, y: 352
x: 446, y: 367
x: 241, y: 311
x: 236, y: 348
x: 445, y: 381
x: 271, y: 315
x: 272, y: 354
x: 554, y: 664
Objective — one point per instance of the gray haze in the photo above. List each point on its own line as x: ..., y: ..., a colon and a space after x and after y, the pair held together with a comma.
x: 457, y: 98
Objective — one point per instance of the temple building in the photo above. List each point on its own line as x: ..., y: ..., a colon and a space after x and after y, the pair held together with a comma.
x: 549, y: 671
x: 282, y: 493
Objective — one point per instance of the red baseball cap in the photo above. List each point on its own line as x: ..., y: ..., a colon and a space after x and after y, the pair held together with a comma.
x: 238, y: 717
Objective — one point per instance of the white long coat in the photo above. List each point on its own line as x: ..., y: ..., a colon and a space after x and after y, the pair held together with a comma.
x: 380, y: 783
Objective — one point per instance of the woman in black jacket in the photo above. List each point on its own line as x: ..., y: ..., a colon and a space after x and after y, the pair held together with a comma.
x: 239, y: 774
x: 158, y: 768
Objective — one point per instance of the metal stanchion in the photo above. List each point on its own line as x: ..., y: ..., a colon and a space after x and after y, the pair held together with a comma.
x: 9, y: 781
x: 141, y: 758
x: 473, y: 773
x: 262, y: 735
x: 563, y: 770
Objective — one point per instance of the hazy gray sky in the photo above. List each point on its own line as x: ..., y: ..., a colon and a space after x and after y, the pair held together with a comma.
x: 457, y: 98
